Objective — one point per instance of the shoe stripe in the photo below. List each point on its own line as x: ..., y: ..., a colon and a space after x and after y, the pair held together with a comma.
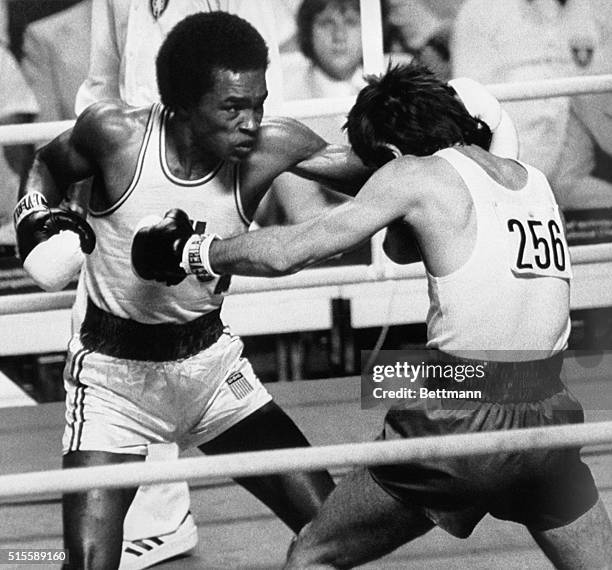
x: 142, y: 544
x: 129, y: 550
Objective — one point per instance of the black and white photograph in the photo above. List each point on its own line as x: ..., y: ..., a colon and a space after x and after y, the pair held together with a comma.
x: 306, y: 284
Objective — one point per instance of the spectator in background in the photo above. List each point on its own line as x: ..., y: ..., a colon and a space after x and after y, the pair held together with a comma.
x: 328, y: 35
x: 17, y: 105
x: 328, y: 64
x: 329, y: 39
x: 128, y: 33
x: 55, y: 63
x: 523, y: 40
x: 586, y: 176
x: 56, y: 59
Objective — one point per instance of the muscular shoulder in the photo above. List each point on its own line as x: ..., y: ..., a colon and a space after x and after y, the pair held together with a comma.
x: 289, y: 138
x: 418, y: 175
x: 409, y: 184
x: 109, y: 125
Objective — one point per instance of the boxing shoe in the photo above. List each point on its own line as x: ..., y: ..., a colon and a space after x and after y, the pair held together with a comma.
x: 138, y: 554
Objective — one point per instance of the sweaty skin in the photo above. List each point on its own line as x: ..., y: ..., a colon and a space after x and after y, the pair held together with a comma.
x: 227, y: 124
x: 420, y: 198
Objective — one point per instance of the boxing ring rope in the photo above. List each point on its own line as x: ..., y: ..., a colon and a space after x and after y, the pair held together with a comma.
x: 515, y: 91
x: 318, y: 277
x: 333, y: 456
x: 521, y: 90
x: 303, y: 459
x: 380, y: 269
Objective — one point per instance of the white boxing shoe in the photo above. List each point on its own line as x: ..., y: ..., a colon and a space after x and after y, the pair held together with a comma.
x: 145, y: 552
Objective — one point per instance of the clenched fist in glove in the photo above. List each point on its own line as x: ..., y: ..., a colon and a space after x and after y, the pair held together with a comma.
x: 51, y: 241
x: 167, y: 249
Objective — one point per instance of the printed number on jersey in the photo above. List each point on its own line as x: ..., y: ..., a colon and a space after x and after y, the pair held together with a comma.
x: 537, y: 244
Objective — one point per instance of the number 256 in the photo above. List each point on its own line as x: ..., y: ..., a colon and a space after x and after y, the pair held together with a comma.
x: 548, y: 245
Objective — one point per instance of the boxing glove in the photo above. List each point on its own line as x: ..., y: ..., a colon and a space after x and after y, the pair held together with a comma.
x: 167, y: 249
x: 51, y: 242
x: 482, y: 104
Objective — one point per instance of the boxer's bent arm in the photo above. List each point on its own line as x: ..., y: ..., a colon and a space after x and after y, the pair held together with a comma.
x: 335, y: 166
x: 55, y: 167
x: 281, y: 250
x: 294, y: 147
x: 78, y: 153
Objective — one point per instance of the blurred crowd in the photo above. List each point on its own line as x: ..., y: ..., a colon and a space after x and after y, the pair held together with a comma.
x: 53, y: 66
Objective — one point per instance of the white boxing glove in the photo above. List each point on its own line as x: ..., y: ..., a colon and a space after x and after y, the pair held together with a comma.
x: 482, y: 104
x: 53, y: 263
x: 51, y: 241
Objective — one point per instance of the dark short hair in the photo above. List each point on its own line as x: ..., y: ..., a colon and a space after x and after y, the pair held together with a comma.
x: 412, y: 109
x: 307, y: 12
x: 200, y: 45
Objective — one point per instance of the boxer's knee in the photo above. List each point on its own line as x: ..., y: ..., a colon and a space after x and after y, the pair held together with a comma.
x: 309, y: 550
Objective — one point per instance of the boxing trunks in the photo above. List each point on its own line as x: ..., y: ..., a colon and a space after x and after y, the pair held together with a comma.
x: 555, y: 486
x: 172, y: 383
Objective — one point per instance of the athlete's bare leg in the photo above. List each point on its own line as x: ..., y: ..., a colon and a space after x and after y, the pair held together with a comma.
x: 358, y: 523
x: 294, y: 497
x: 585, y: 543
x: 93, y: 520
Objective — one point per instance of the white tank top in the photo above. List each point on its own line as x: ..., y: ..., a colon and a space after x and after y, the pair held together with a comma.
x: 213, y: 200
x: 512, y: 294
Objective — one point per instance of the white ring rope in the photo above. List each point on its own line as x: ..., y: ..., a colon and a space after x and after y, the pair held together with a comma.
x: 515, y: 91
x: 38, y: 132
x: 334, y: 276
x: 302, y: 459
x: 316, y: 277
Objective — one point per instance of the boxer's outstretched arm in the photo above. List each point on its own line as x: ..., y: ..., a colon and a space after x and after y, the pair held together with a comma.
x: 52, y: 241
x: 282, y: 250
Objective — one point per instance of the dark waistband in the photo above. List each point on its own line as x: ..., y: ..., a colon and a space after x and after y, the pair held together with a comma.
x: 124, y: 338
x: 500, y: 382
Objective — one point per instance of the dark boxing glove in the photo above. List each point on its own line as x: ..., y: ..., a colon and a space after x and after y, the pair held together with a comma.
x: 167, y: 249
x: 51, y: 241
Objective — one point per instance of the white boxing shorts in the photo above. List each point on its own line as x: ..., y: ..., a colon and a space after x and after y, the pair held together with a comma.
x: 121, y: 405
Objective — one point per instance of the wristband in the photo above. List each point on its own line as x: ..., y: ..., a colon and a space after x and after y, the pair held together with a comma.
x: 195, y: 260
x: 191, y: 246
x: 31, y: 202
x: 205, y: 253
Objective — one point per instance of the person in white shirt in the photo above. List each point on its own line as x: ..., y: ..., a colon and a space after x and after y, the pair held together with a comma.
x: 17, y: 105
x: 524, y: 40
x: 128, y: 33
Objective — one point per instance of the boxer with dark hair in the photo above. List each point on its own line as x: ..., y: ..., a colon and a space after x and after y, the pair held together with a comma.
x: 498, y: 269
x: 153, y: 363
